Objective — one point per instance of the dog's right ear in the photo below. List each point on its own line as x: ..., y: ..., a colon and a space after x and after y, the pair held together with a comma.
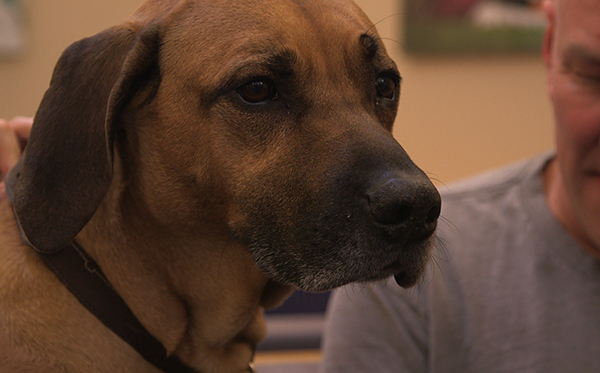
x: 66, y: 168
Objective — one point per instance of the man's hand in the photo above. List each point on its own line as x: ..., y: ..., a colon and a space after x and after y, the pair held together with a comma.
x: 13, y: 138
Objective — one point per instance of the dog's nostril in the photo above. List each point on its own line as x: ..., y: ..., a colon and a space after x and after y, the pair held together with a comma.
x: 433, y: 214
x: 404, y: 201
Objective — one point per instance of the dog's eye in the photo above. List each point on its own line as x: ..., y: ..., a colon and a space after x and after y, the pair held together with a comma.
x: 258, y: 91
x: 386, y: 87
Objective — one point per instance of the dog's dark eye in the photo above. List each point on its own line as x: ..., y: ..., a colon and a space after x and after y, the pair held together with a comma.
x: 386, y: 87
x: 258, y: 91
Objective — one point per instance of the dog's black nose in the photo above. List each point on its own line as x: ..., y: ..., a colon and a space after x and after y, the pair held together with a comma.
x: 413, y: 204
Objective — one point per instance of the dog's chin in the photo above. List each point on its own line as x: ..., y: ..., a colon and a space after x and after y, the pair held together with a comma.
x: 317, y: 270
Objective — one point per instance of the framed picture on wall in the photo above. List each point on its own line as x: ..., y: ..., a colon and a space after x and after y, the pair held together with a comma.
x: 473, y: 26
x: 11, y: 28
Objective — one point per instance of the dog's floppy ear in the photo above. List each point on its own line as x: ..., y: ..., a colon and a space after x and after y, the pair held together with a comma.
x: 66, y: 169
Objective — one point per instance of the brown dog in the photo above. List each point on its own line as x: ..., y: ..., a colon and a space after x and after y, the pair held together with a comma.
x: 210, y: 157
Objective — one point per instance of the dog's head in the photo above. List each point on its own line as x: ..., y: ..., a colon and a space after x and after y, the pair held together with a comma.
x: 268, y: 119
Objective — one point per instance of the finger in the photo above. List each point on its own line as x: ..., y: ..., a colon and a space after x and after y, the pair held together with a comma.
x: 10, y: 150
x: 22, y: 127
x: 2, y: 191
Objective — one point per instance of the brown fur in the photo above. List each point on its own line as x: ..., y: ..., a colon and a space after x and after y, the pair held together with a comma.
x: 203, y: 209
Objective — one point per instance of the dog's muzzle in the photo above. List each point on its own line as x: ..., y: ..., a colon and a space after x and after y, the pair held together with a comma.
x: 405, y: 209
x: 407, y: 205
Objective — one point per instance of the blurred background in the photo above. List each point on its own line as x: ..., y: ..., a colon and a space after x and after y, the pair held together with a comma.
x: 459, y: 113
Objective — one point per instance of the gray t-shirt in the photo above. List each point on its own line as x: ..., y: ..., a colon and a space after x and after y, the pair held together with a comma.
x: 509, y: 291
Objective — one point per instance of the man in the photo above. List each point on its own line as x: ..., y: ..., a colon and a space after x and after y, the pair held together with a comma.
x: 515, y: 283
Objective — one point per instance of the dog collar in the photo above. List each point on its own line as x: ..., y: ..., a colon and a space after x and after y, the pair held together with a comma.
x: 84, y: 279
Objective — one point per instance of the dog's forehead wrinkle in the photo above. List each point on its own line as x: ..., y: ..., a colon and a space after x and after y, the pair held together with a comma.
x: 280, y: 61
x: 370, y: 45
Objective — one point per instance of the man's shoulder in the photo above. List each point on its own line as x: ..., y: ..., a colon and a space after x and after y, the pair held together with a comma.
x: 496, y: 182
x: 483, y: 216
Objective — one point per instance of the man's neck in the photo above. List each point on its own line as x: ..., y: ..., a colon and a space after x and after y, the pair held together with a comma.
x: 561, y: 208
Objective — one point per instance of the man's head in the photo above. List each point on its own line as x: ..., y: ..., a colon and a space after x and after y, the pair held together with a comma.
x: 572, y: 58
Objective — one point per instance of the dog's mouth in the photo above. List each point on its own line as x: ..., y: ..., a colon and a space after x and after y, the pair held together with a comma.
x: 327, y: 248
x: 407, y: 279
x: 328, y: 265
x: 408, y: 269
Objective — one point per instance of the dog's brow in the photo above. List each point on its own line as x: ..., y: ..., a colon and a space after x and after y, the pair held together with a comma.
x: 262, y: 63
x: 282, y: 62
x: 370, y: 45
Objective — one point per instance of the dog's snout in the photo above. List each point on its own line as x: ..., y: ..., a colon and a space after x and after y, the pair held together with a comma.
x: 414, y: 204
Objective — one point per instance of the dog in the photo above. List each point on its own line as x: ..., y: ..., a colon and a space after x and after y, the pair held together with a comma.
x: 210, y: 158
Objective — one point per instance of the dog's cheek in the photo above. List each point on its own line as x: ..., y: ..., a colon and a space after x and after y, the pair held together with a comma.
x: 298, y: 234
x: 168, y: 166
x: 387, y: 115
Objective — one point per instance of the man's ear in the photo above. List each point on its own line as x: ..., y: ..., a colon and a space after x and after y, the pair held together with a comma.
x: 548, y: 42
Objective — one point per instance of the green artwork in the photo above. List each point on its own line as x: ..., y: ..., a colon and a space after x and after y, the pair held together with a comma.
x: 473, y: 26
x: 11, y: 28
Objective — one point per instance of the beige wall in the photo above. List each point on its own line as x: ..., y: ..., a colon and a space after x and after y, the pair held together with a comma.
x: 458, y: 115
x: 462, y: 115
x: 52, y: 25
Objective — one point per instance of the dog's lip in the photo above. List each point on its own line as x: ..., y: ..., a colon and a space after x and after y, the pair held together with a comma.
x: 393, y: 267
x: 403, y: 276
x: 407, y: 280
x: 383, y: 272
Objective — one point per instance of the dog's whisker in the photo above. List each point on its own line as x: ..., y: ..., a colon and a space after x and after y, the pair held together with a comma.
x: 449, y: 223
x: 440, y: 251
x: 384, y: 19
x: 360, y: 287
x: 395, y: 41
x: 435, y: 264
x: 434, y: 177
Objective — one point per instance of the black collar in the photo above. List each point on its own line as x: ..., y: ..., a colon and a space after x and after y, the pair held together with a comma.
x: 84, y: 278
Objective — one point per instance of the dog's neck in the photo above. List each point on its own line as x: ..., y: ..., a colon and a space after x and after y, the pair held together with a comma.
x: 200, y: 294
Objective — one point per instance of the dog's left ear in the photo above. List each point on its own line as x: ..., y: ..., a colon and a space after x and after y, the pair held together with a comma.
x: 66, y: 169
